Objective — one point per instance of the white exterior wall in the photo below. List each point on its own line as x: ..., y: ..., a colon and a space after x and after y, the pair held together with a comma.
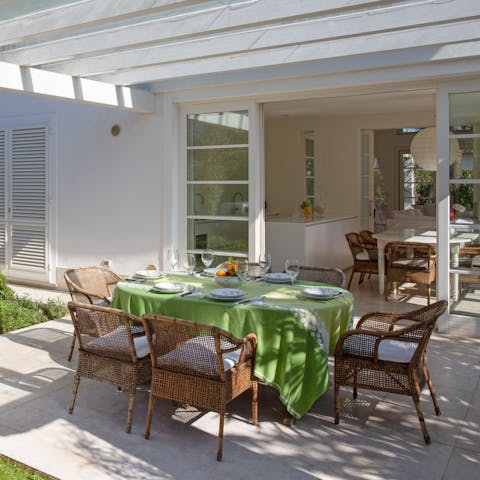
x: 108, y: 188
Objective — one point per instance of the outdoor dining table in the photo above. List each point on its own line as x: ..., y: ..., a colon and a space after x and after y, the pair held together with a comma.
x: 295, y: 334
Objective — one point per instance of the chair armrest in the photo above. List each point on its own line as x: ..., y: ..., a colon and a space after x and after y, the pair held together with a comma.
x: 382, y: 321
x: 249, y: 348
x: 91, y: 295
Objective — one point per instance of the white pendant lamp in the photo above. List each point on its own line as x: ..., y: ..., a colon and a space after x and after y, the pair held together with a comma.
x: 424, y: 148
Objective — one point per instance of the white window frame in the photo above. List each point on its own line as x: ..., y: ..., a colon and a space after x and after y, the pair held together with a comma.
x: 175, y: 235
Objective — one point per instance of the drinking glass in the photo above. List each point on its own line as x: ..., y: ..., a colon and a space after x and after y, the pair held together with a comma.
x: 242, y: 269
x: 292, y: 269
x: 172, y: 256
x: 264, y: 262
x: 207, y: 258
x: 190, y: 263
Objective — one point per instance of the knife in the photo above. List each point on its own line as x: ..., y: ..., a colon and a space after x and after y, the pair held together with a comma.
x: 251, y: 300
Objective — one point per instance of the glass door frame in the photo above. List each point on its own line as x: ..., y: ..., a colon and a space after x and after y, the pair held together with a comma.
x: 447, y: 322
x: 256, y: 183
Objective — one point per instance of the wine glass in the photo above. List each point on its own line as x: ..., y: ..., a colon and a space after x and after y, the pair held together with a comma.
x: 264, y: 262
x: 207, y: 258
x: 172, y: 256
x: 292, y: 269
x: 190, y: 263
x: 242, y: 269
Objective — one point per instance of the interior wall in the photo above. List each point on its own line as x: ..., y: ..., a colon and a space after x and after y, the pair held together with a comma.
x: 337, y: 158
x: 108, y: 188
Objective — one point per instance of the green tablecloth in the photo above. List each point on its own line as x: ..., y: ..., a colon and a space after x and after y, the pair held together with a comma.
x: 295, y: 335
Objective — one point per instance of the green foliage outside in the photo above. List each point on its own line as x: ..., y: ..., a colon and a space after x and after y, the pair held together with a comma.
x: 9, y: 470
x: 19, y: 312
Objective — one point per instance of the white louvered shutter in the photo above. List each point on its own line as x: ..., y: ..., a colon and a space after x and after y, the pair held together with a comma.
x: 3, y: 196
x: 28, y: 198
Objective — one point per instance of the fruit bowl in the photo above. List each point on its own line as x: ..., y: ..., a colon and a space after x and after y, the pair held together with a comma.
x: 228, y: 281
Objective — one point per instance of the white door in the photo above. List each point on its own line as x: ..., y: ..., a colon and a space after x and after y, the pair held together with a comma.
x: 367, y: 214
x: 24, y: 202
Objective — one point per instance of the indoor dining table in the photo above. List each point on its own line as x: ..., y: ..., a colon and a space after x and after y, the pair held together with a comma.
x: 295, y: 334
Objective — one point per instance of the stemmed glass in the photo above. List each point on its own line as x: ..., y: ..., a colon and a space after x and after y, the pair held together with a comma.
x: 292, y: 269
x: 172, y: 256
x: 264, y: 262
x: 242, y: 269
x: 207, y: 258
x: 190, y: 263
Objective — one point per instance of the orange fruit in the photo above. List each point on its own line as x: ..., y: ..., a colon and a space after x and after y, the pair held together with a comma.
x: 231, y: 269
x: 221, y: 273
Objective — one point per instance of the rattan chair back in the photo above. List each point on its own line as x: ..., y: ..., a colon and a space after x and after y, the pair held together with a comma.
x: 112, y: 349
x: 94, y: 284
x: 199, y: 365
x: 331, y: 276
x: 364, y: 255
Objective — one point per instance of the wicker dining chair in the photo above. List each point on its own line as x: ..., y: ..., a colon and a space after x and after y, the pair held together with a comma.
x: 367, y: 237
x: 111, y: 350
x: 331, y: 276
x: 410, y: 262
x: 387, y: 352
x: 93, y: 284
x: 365, y: 257
x: 199, y: 365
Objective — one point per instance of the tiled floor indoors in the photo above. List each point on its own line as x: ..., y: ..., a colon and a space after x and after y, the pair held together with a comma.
x: 378, y: 437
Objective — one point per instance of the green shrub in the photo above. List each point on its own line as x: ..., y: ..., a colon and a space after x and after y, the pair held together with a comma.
x: 19, y: 312
x: 5, y: 291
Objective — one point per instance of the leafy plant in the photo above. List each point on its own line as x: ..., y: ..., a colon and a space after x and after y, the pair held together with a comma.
x: 19, y: 311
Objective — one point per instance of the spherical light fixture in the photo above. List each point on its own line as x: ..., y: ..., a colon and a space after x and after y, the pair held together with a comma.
x: 424, y: 148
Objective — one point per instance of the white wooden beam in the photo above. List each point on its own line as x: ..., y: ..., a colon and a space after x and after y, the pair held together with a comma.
x: 370, y: 51
x: 219, y: 19
x: 387, y: 20
x: 40, y: 82
x: 79, y: 15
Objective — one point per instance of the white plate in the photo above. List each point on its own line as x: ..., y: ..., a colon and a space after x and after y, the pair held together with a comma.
x: 277, y: 278
x: 150, y: 274
x: 320, y: 293
x: 226, y: 294
x: 211, y: 271
x: 169, y: 287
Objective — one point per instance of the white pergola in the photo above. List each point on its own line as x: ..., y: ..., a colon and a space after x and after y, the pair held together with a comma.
x: 119, y: 51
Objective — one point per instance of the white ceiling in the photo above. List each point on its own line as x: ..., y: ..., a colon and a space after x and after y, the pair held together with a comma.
x: 381, y: 103
x: 147, y: 42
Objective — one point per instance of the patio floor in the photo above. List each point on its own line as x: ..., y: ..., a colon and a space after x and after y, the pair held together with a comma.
x: 378, y: 437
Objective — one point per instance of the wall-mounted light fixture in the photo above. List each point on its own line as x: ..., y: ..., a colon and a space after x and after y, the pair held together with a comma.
x: 115, y: 131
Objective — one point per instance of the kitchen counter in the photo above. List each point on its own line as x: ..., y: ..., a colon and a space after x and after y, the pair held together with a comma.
x: 319, y: 242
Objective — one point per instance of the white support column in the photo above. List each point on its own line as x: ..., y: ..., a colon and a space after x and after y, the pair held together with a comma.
x: 443, y: 203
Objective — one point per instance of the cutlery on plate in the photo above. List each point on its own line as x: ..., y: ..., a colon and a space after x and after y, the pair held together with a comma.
x: 189, y: 292
x: 251, y: 300
x: 136, y: 280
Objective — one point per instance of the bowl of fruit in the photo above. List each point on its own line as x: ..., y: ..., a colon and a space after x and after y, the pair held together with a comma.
x: 226, y: 275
